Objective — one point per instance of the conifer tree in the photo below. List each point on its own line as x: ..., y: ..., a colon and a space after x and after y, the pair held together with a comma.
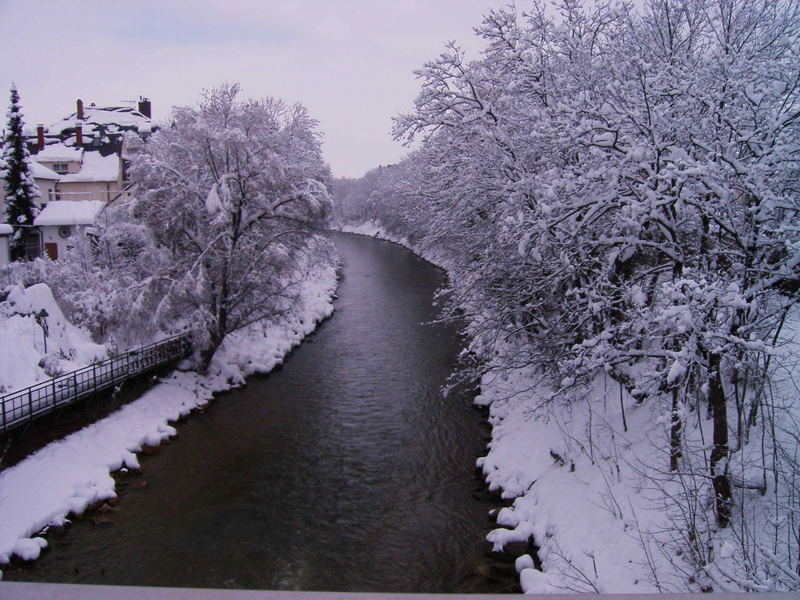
x: 21, y: 192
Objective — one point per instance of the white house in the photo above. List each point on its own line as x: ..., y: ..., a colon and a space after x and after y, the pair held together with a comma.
x: 61, y: 222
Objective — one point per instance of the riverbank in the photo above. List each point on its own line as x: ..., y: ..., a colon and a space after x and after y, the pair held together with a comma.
x: 589, y: 485
x: 371, y: 229
x: 583, y: 505
x: 68, y: 476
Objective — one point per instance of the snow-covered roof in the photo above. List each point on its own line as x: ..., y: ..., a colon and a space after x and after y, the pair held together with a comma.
x: 113, y: 119
x: 42, y: 172
x: 58, y: 153
x: 6, y: 229
x: 95, y: 167
x: 69, y: 212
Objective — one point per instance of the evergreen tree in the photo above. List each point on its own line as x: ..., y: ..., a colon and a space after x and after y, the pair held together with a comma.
x: 21, y: 192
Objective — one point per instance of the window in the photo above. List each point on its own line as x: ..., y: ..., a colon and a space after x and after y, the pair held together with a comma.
x: 60, y: 168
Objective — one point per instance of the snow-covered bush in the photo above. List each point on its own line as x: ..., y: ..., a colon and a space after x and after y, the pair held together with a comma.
x: 105, y: 283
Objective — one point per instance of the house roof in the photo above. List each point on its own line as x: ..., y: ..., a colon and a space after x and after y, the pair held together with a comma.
x: 42, y: 172
x: 69, y: 212
x: 95, y: 167
x: 102, y: 130
x: 114, y: 119
x: 59, y: 152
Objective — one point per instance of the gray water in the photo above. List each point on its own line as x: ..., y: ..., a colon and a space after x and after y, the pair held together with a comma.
x: 347, y: 470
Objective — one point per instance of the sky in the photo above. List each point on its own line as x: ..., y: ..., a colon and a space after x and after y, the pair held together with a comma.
x: 350, y: 62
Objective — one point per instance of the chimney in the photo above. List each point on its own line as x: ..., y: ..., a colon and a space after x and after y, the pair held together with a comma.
x: 40, y: 137
x: 79, y: 135
x: 144, y: 107
x: 80, y: 109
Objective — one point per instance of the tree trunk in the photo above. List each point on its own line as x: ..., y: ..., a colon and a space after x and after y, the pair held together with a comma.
x: 719, y: 455
x: 219, y: 329
x: 675, y: 433
x: 214, y: 340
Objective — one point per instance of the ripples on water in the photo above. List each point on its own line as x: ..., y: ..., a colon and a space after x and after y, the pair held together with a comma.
x: 346, y: 470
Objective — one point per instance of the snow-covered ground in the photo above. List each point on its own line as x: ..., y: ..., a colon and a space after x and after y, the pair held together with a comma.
x: 71, y: 474
x: 579, y: 481
x: 591, y: 485
x: 23, y: 360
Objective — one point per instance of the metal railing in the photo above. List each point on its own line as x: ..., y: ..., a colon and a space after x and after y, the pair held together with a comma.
x: 22, y: 406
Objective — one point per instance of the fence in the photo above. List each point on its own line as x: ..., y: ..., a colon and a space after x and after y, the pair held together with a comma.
x: 22, y: 406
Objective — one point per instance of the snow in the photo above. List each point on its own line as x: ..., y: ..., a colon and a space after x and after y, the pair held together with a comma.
x: 121, y: 116
x: 29, y: 548
x: 41, y: 172
x: 6, y: 229
x: 23, y: 361
x: 58, y: 153
x: 69, y: 212
x: 581, y: 503
x: 113, y: 119
x: 95, y: 167
x: 597, y: 497
x: 213, y: 203
x: 523, y: 562
x: 676, y: 371
x: 69, y: 475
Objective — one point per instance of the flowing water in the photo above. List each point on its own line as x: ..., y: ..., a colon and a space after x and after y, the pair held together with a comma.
x: 347, y: 470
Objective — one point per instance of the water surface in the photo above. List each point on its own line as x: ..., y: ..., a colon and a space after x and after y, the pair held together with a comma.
x: 346, y: 470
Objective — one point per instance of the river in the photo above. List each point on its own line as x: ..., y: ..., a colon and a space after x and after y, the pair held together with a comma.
x: 346, y: 470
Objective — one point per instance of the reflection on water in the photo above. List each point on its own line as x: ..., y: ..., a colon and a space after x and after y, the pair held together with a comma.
x: 346, y: 470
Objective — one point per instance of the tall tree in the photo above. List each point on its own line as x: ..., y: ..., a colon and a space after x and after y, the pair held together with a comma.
x: 232, y: 192
x: 21, y: 192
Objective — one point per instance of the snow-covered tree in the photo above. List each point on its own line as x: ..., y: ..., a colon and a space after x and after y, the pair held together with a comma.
x: 617, y: 191
x: 21, y: 192
x: 233, y: 191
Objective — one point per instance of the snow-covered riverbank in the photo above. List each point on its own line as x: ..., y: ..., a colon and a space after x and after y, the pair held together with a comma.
x: 371, y: 229
x: 72, y: 474
x: 582, y: 505
x: 591, y: 486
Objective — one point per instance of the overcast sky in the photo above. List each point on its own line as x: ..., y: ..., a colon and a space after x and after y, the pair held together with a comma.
x: 350, y: 61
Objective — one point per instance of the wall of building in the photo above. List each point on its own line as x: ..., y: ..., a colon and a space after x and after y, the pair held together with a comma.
x: 89, y: 190
x: 47, y: 188
x: 72, y: 166
x: 50, y: 235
